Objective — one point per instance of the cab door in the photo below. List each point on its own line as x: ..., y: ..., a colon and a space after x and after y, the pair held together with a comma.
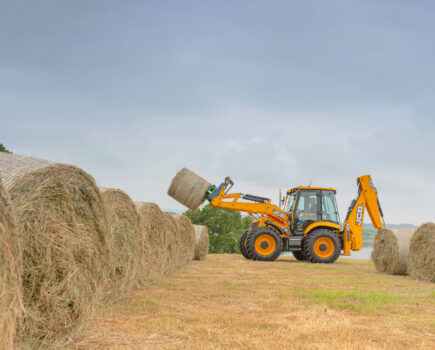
x: 307, y: 210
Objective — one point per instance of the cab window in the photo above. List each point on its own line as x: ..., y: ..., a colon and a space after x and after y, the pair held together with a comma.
x: 307, y: 209
x: 329, y: 207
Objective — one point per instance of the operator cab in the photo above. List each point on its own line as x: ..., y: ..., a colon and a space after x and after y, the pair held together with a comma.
x: 307, y: 205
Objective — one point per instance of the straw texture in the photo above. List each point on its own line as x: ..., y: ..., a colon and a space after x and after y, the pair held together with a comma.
x: 13, y: 166
x: 10, y: 273
x: 154, y: 244
x: 188, y: 188
x: 125, y: 252
x: 390, y: 253
x: 62, y: 224
x: 421, y: 258
x: 187, y: 237
x: 201, y: 242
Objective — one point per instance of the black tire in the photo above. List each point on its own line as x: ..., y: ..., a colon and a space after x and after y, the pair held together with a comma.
x: 242, y: 245
x: 322, y: 246
x: 270, y: 246
x: 299, y: 255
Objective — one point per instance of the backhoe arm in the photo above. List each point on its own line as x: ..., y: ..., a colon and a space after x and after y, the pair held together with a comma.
x: 261, y: 206
x: 353, y: 225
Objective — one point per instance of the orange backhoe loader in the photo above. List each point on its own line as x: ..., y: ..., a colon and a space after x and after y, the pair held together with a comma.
x: 308, y: 223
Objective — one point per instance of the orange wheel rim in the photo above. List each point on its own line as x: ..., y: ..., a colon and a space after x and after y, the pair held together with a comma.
x: 324, y: 247
x: 265, y: 244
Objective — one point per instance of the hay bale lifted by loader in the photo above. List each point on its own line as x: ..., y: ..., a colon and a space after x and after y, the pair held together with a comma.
x: 188, y: 188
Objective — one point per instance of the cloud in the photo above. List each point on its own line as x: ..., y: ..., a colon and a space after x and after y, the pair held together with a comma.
x: 270, y: 94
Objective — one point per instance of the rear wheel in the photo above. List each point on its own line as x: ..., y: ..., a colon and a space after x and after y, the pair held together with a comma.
x: 299, y: 255
x: 264, y: 244
x: 242, y: 245
x: 322, y: 246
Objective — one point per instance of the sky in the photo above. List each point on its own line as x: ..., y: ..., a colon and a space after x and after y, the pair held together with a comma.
x: 272, y: 93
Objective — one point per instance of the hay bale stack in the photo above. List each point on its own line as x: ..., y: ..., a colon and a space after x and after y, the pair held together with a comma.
x: 421, y: 258
x: 390, y: 253
x: 126, y: 233
x: 201, y: 242
x: 10, y: 273
x: 13, y: 166
x: 188, y: 188
x: 174, y: 247
x: 187, y: 238
x: 62, y: 223
x: 154, y: 244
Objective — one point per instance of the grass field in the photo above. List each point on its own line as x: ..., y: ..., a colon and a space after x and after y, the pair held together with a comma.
x: 227, y: 302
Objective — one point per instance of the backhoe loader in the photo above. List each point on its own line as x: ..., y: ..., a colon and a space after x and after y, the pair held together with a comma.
x: 308, y: 223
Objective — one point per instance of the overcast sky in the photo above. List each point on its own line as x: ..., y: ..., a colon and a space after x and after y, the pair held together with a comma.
x: 271, y: 93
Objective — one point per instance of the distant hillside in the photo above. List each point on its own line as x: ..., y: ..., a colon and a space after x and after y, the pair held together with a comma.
x: 174, y: 211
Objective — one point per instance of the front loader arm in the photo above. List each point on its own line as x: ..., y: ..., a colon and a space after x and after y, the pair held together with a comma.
x: 353, y: 225
x: 261, y: 206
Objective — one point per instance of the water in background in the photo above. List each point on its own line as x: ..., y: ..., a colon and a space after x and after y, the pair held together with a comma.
x: 363, y: 254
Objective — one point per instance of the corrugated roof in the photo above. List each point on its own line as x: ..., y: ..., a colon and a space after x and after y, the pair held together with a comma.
x: 13, y: 166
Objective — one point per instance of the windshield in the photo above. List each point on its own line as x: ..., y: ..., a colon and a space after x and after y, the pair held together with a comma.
x: 290, y: 202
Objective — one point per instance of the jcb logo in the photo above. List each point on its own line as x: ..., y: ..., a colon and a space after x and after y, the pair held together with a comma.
x: 281, y: 215
x: 359, y: 215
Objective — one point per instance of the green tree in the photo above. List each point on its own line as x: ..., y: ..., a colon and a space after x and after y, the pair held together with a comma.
x: 225, y: 227
x: 4, y: 149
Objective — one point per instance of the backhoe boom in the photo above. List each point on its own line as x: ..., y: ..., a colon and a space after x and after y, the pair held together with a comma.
x: 353, y: 225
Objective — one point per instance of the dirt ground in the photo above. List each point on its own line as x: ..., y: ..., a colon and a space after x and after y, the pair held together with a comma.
x: 227, y: 302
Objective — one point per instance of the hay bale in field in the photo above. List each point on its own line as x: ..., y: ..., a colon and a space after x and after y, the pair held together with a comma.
x: 10, y: 273
x: 174, y: 247
x: 188, y: 188
x: 187, y: 238
x: 390, y: 253
x: 421, y: 257
x: 62, y: 223
x: 201, y: 242
x: 126, y: 233
x: 154, y: 244
x: 13, y: 166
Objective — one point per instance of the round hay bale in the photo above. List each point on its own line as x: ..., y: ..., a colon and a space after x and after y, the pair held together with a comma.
x: 126, y: 233
x: 188, y: 188
x: 421, y: 257
x: 13, y: 166
x: 390, y: 251
x: 62, y: 223
x: 154, y: 244
x: 187, y: 238
x: 174, y: 246
x: 10, y: 273
x: 201, y: 242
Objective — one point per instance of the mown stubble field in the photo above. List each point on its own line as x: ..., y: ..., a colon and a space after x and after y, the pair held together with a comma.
x: 227, y: 302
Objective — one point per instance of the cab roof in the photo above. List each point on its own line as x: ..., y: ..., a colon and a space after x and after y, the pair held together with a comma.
x: 311, y: 188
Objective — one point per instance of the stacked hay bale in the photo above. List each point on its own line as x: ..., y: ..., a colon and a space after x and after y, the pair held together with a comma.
x: 188, y: 188
x: 187, y: 238
x: 390, y: 253
x: 62, y: 225
x: 421, y: 258
x: 10, y: 274
x: 174, y: 247
x: 201, y: 242
x: 154, y: 244
x: 126, y: 233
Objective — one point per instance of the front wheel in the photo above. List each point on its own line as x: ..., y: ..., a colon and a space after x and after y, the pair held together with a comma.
x: 242, y: 245
x: 322, y: 246
x: 264, y: 244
